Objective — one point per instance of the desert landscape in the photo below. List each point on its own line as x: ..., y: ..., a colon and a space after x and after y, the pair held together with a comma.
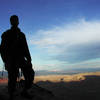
x: 83, y: 86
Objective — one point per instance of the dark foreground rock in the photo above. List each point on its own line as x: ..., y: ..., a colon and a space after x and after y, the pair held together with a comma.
x: 37, y: 93
x: 87, y: 89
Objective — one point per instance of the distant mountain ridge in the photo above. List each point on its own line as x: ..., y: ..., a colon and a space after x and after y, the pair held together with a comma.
x: 61, y: 72
x: 67, y: 72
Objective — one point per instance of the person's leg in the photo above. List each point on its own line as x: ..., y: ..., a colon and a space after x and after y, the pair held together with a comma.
x: 12, y: 77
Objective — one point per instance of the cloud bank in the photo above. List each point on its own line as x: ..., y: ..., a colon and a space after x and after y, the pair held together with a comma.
x: 75, y: 42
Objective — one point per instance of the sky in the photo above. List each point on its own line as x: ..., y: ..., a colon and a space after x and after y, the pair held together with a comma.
x: 61, y: 34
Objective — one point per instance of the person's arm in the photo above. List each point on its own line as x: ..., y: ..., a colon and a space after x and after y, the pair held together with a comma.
x: 26, y: 49
x: 3, y: 48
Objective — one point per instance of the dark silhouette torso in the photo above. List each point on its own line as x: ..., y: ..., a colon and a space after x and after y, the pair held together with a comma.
x: 14, y: 46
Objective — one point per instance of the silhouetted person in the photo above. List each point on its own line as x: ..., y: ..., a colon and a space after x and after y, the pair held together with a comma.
x: 15, y: 54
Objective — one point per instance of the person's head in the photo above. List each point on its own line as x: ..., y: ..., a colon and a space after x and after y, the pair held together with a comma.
x: 14, y: 20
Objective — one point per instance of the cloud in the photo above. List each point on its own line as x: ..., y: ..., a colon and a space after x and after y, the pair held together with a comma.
x: 74, y: 42
x: 79, y: 53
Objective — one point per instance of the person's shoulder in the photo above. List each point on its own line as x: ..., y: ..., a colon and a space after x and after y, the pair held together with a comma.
x: 5, y: 34
x: 22, y: 34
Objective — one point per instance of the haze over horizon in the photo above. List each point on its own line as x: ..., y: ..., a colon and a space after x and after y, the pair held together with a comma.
x: 61, y: 34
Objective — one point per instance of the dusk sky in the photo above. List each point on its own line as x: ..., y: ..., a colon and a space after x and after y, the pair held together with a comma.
x: 61, y: 34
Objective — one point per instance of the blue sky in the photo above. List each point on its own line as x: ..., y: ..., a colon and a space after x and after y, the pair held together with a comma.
x: 61, y: 34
